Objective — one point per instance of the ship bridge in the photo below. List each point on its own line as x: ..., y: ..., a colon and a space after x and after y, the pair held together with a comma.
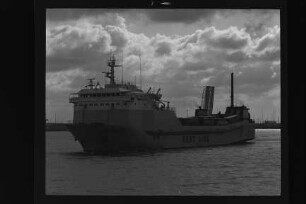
x: 125, y: 96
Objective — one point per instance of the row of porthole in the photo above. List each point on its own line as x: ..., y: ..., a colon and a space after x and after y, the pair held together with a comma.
x: 102, y: 104
x: 100, y: 95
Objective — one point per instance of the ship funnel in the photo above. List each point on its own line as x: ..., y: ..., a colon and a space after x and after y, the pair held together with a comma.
x: 232, y: 89
x: 207, y: 99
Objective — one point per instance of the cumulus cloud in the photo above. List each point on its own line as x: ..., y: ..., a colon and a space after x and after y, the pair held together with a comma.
x: 180, y: 64
x: 230, y: 38
x: 209, y: 48
x: 270, y: 39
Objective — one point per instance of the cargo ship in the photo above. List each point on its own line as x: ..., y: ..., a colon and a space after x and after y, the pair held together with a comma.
x: 121, y: 117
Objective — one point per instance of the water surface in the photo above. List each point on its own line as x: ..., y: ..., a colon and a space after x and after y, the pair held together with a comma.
x: 252, y: 168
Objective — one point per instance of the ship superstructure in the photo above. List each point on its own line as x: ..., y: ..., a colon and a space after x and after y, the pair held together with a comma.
x: 93, y: 100
x: 122, y: 117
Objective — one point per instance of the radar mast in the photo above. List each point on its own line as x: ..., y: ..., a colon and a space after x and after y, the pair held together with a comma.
x: 111, y: 74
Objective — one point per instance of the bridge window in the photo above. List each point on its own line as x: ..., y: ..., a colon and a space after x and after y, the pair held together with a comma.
x: 99, y: 95
x: 96, y: 104
x: 132, y: 98
x: 117, y: 94
x: 101, y: 104
x: 108, y: 94
x: 117, y: 104
x: 107, y: 104
x: 113, y: 94
x: 90, y: 104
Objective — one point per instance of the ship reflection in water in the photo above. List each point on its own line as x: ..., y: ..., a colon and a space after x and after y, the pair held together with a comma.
x: 252, y: 168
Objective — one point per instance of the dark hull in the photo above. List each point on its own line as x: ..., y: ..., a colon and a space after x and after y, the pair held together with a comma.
x: 110, y: 138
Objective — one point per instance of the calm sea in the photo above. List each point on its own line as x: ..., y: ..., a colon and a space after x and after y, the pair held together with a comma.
x: 253, y: 168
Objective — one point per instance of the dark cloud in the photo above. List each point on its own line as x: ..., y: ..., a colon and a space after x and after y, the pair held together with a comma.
x: 228, y: 40
x: 180, y: 15
x: 236, y: 56
x: 163, y: 48
x: 74, y: 14
x: 255, y: 29
x: 269, y: 54
x: 156, y: 15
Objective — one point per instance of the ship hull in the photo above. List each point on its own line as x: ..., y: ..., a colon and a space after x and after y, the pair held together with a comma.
x: 99, y: 138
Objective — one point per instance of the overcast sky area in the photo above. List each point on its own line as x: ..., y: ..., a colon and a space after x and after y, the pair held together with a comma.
x: 182, y: 50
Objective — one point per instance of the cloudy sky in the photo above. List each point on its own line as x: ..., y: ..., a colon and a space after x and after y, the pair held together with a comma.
x: 182, y: 50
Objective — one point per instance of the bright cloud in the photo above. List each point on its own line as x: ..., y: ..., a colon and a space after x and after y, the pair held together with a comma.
x: 180, y: 64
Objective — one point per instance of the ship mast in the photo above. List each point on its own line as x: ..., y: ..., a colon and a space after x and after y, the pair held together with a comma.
x: 140, y: 81
x: 111, y: 74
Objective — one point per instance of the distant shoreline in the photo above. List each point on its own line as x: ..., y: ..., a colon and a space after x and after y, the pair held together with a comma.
x: 56, y: 127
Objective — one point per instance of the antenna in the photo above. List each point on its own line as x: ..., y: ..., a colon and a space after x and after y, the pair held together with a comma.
x: 261, y: 114
x: 140, y: 69
x: 122, y: 69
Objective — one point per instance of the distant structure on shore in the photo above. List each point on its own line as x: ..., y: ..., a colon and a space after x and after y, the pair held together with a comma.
x: 268, y: 124
x: 55, y: 127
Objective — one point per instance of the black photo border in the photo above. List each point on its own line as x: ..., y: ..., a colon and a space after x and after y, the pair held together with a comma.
x: 292, y: 102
